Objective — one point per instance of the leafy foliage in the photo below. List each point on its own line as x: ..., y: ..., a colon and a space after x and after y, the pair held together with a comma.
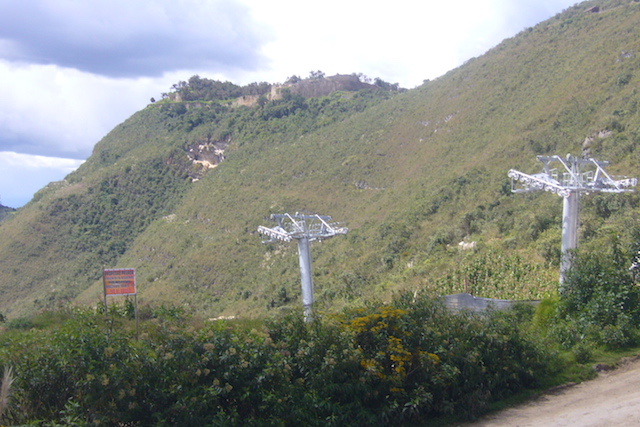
x: 599, y: 300
x: 497, y: 272
x: 381, y: 365
x: 199, y: 89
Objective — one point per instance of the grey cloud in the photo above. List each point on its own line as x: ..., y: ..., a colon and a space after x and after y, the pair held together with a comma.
x: 119, y: 38
x: 29, y: 144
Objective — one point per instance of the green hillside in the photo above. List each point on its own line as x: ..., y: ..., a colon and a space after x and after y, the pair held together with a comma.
x: 5, y: 212
x: 411, y: 173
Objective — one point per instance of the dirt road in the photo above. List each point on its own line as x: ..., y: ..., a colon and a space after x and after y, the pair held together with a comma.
x: 611, y: 399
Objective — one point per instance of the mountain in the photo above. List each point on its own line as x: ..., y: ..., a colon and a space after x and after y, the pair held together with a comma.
x: 5, y: 211
x: 178, y: 190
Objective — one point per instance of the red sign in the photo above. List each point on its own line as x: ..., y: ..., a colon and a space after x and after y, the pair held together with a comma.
x: 119, y: 281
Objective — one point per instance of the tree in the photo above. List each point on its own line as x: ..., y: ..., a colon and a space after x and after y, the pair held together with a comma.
x: 385, y: 85
x: 293, y: 79
x: 363, y: 77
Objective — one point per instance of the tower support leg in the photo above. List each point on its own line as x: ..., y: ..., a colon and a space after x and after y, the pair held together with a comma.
x: 305, y: 275
x: 569, y: 231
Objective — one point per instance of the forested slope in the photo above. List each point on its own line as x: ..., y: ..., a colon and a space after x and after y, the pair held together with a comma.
x: 410, y: 173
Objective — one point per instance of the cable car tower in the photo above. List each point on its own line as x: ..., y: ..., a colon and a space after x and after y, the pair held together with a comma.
x: 305, y: 229
x: 576, y: 176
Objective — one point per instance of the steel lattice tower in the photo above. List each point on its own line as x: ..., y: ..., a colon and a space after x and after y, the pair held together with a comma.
x: 576, y: 176
x: 305, y: 229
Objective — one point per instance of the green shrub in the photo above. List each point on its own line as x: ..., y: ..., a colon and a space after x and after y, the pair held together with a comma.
x: 20, y: 323
x: 582, y: 352
x: 599, y: 301
x: 407, y: 361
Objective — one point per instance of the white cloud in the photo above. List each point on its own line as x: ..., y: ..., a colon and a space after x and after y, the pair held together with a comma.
x: 22, y: 175
x: 52, y: 108
x: 404, y: 41
x: 63, y: 112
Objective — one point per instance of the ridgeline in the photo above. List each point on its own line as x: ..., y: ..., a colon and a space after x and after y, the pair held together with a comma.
x: 178, y: 190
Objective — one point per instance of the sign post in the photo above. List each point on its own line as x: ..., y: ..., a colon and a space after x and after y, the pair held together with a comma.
x: 121, y: 281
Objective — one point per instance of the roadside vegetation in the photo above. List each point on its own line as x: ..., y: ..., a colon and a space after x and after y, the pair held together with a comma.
x: 407, y: 362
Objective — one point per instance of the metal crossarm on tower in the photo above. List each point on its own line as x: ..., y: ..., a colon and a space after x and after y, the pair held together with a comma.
x: 575, y: 176
x: 581, y: 175
x: 305, y: 229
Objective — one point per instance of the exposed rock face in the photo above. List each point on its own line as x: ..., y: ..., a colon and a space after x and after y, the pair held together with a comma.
x: 206, y: 154
x: 594, y: 140
x: 246, y: 101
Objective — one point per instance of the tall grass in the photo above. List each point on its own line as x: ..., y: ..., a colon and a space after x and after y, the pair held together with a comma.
x: 5, y: 389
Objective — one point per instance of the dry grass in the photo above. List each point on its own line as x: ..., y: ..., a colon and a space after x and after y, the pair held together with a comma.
x: 5, y: 389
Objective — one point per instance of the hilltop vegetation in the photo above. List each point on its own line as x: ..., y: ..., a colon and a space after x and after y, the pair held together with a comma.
x: 5, y: 211
x: 411, y: 173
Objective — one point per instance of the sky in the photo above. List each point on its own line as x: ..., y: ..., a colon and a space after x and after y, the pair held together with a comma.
x: 71, y: 70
